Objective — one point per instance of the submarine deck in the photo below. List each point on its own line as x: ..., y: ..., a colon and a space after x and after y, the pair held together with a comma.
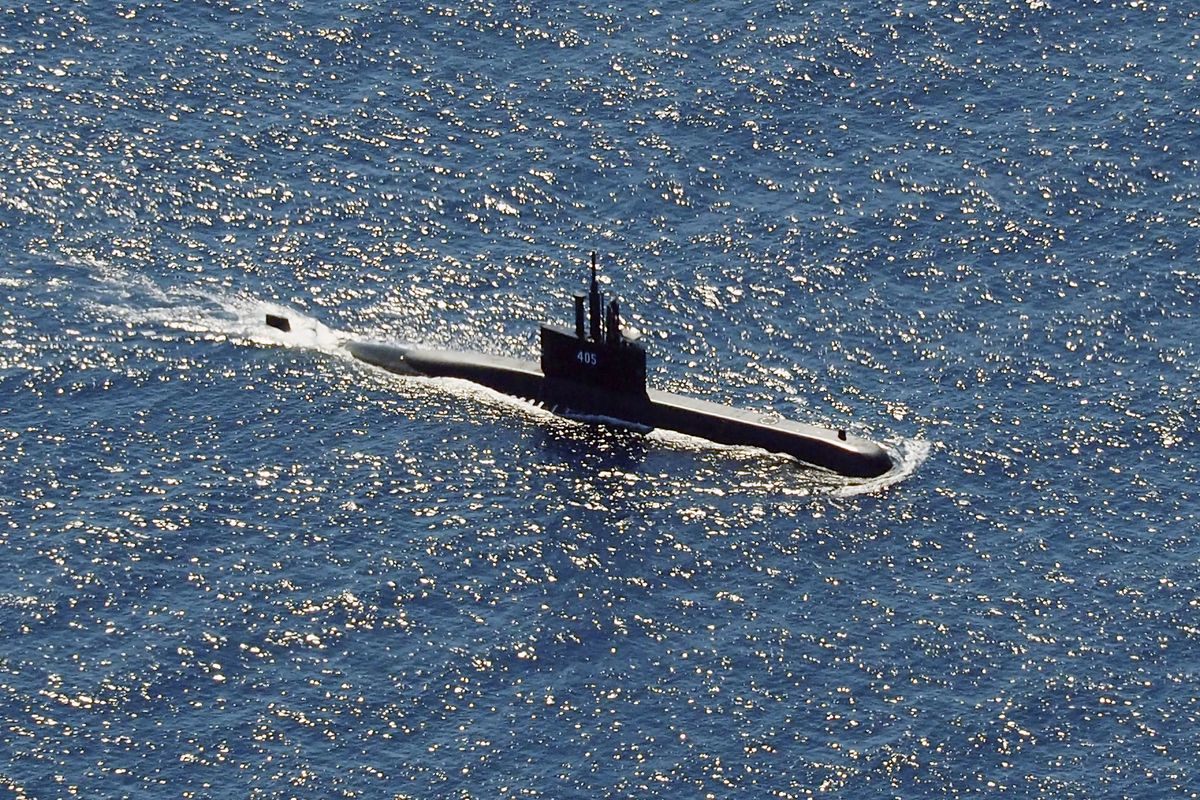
x: 838, y: 451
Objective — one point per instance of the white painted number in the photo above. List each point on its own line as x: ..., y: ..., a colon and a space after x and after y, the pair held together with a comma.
x: 584, y: 357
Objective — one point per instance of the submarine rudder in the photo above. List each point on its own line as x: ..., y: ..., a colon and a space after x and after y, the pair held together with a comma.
x: 279, y: 322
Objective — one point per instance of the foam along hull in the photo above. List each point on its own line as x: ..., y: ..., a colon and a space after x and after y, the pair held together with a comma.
x: 837, y: 451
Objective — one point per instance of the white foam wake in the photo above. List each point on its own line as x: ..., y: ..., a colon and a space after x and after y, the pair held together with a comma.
x: 208, y: 314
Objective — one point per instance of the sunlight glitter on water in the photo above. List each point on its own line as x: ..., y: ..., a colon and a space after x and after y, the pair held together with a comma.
x: 236, y: 564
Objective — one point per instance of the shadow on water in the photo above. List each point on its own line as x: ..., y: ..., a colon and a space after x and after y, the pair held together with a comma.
x: 593, y: 446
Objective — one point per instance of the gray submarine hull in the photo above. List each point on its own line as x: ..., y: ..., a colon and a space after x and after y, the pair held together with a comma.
x: 836, y: 451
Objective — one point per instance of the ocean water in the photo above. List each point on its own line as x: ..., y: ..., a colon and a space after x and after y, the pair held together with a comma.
x: 241, y: 564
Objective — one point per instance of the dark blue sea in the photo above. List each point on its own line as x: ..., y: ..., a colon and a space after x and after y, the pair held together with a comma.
x: 241, y: 564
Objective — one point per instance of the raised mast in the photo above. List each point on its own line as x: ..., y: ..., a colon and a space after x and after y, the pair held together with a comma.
x: 594, y: 304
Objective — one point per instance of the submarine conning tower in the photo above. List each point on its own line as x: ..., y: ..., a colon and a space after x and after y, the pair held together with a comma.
x: 601, y: 356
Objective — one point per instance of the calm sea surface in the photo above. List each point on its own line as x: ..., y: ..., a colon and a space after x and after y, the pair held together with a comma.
x: 238, y: 564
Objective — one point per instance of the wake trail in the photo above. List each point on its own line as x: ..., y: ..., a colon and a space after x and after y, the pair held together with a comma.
x: 209, y: 314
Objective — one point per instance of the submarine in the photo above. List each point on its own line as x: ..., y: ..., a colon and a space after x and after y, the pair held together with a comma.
x: 599, y: 369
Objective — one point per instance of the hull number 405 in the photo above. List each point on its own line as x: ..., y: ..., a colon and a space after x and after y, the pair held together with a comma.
x: 586, y: 358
